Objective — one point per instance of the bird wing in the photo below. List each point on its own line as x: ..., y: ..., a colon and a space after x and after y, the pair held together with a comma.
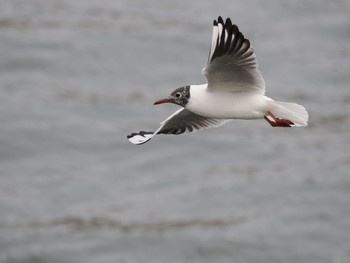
x: 232, y: 64
x: 181, y: 121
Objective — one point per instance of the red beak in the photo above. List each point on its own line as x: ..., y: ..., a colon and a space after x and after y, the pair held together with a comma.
x: 162, y: 101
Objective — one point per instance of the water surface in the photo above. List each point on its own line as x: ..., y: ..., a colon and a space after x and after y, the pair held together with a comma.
x: 76, y: 77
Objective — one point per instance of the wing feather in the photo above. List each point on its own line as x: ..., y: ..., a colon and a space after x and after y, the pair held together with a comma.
x: 181, y: 121
x: 232, y: 63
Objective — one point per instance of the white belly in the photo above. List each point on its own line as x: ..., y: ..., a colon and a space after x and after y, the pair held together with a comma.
x: 227, y: 105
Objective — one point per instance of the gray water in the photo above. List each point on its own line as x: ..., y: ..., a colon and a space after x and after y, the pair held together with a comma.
x: 77, y: 76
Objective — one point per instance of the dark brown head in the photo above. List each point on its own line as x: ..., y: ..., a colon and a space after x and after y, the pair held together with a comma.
x: 179, y: 96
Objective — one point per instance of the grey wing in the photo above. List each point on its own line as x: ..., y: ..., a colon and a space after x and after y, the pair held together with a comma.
x: 232, y: 63
x: 181, y: 121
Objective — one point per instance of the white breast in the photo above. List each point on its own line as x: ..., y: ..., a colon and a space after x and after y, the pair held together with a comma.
x: 227, y: 105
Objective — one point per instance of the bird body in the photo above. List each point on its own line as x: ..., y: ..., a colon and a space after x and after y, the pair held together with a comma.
x: 235, y: 90
x: 227, y: 105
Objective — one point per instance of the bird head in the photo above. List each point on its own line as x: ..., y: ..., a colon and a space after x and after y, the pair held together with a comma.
x: 180, y: 96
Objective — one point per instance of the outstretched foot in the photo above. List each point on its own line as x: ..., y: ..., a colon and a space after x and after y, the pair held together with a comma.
x: 277, y: 122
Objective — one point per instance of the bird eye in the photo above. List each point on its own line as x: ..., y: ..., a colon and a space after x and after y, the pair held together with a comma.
x: 178, y: 94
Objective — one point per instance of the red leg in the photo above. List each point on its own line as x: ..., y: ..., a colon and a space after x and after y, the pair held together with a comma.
x: 277, y: 122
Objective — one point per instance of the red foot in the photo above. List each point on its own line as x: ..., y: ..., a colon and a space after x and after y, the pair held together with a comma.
x: 277, y: 122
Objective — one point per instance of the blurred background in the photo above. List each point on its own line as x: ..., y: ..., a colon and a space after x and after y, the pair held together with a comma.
x: 77, y: 76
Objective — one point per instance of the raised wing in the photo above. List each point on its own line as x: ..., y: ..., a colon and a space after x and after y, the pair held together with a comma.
x: 181, y: 121
x: 232, y: 63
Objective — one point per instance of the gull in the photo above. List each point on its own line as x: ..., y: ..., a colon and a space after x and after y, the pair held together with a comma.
x: 235, y: 90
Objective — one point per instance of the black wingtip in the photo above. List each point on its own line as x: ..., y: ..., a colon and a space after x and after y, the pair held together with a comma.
x: 220, y: 20
x: 235, y: 29
x: 228, y: 23
x: 142, y: 133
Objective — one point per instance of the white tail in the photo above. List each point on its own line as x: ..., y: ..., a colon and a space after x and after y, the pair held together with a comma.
x: 290, y: 111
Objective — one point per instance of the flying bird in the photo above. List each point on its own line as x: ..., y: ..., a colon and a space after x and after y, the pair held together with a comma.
x: 235, y: 90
